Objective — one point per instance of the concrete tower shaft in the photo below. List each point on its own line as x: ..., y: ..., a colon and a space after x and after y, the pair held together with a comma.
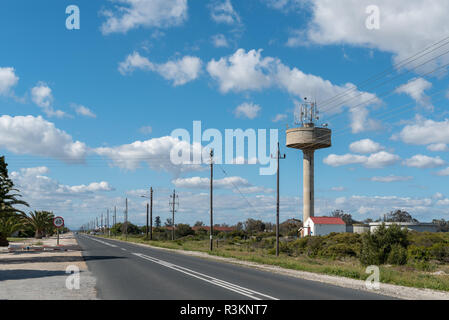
x: 308, y: 138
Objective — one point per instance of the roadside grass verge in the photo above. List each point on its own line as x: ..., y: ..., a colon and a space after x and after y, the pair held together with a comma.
x: 345, y: 267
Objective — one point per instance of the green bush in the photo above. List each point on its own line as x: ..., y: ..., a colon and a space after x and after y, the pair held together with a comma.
x: 440, y: 252
x: 417, y: 253
x: 376, y: 246
x: 397, y: 255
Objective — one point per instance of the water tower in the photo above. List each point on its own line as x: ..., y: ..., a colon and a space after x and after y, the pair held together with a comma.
x: 308, y: 138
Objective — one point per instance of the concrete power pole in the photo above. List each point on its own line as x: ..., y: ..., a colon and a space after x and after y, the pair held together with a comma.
x: 126, y: 219
x: 278, y: 157
x: 148, y: 209
x: 151, y: 213
x: 211, y: 199
x: 173, y: 204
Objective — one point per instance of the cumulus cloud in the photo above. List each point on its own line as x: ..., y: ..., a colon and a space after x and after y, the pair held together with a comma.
x: 154, y: 152
x: 376, y: 160
x: 365, y: 146
x: 42, y: 96
x: 8, y: 79
x: 422, y: 161
x: 36, y: 136
x: 180, y: 71
x: 400, y: 32
x: 223, y: 12
x: 391, y: 178
x: 248, y: 110
x: 436, y: 147
x: 444, y: 172
x: 237, y: 184
x: 415, y: 89
x: 84, y: 111
x: 249, y: 71
x: 424, y: 132
x: 131, y: 14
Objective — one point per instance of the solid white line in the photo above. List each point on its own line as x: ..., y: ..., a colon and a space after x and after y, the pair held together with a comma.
x: 221, y: 283
x: 103, y: 242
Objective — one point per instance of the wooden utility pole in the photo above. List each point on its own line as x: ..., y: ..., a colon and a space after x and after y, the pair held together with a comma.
x: 151, y: 213
x: 211, y: 199
x: 278, y: 157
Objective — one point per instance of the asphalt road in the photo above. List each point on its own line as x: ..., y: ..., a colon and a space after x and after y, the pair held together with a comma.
x: 128, y: 271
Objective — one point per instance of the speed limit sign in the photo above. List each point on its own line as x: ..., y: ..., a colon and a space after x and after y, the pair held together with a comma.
x: 58, y: 222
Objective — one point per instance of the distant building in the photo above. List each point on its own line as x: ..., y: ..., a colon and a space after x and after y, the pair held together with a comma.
x: 321, y: 226
x: 411, y: 226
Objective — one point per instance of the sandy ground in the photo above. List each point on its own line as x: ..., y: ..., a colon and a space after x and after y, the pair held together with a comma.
x: 391, y: 290
x: 42, y: 275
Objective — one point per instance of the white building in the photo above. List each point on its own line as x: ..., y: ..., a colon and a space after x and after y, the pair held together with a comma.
x: 411, y: 226
x: 320, y: 226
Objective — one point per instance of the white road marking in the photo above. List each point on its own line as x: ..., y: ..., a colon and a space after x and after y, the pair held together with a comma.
x: 221, y: 283
x: 103, y: 242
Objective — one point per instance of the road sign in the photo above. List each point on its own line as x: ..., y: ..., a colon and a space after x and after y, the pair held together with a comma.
x: 58, y: 222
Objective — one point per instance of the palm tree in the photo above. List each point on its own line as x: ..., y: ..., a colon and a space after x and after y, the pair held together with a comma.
x: 9, y: 198
x: 41, y: 221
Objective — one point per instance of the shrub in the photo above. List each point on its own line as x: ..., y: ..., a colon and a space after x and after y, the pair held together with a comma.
x: 417, y: 253
x: 397, y: 255
x: 440, y: 252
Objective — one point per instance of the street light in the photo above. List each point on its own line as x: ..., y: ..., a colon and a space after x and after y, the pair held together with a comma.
x: 151, y: 213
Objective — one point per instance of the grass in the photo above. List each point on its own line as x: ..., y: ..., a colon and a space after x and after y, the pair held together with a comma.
x: 349, y: 267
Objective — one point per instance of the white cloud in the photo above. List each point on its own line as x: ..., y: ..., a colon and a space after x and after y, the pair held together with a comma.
x: 92, y: 187
x: 365, y: 146
x: 223, y: 12
x: 338, y: 189
x: 84, y: 111
x: 415, y: 89
x: 220, y: 41
x: 424, y: 132
x: 8, y: 79
x: 248, y: 110
x: 444, y: 172
x: 146, y: 130
x: 36, y: 136
x: 376, y: 160
x: 249, y: 71
x: 391, y: 178
x: 400, y: 32
x: 42, y: 96
x: 280, y: 117
x: 131, y: 14
x: 179, y: 71
x: 155, y: 152
x: 422, y: 161
x: 237, y: 184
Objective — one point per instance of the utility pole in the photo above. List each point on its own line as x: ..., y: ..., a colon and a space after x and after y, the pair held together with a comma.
x: 148, y: 209
x: 173, y: 203
x: 126, y: 220
x: 151, y: 213
x: 211, y: 199
x: 102, y: 225
x: 278, y: 157
x: 107, y: 223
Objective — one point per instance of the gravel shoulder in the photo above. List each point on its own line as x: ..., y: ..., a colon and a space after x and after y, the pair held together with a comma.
x: 400, y: 292
x: 43, y: 275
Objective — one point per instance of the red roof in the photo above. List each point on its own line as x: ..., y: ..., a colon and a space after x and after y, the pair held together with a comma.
x: 327, y: 220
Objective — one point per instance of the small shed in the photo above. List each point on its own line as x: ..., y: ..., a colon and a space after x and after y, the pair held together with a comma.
x: 321, y: 226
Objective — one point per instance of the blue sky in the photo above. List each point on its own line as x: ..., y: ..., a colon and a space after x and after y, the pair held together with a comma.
x: 79, y: 107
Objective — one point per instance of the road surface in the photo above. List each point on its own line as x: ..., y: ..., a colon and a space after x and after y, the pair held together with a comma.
x: 129, y: 271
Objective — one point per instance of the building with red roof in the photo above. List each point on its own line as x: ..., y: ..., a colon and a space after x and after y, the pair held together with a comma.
x: 320, y: 226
